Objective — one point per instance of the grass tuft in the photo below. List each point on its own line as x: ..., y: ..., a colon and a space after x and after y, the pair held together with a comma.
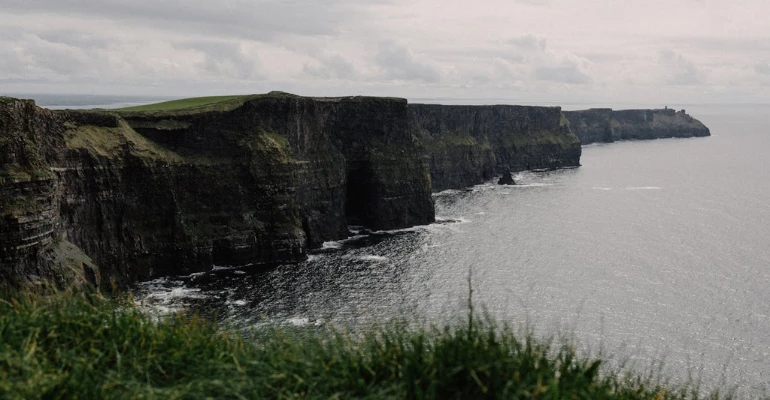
x: 86, y: 346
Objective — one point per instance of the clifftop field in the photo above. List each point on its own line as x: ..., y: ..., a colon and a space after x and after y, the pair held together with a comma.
x: 85, y: 346
x: 183, y: 103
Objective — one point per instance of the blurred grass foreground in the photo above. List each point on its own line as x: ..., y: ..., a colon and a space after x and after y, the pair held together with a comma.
x: 87, y: 346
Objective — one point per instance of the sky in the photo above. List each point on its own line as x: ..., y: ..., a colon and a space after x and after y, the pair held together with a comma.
x: 601, y: 51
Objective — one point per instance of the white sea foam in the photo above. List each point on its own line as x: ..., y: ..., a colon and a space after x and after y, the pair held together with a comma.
x: 526, y: 185
x: 332, y: 245
x: 372, y: 257
x: 449, y: 219
x: 601, y: 188
x: 177, y: 293
x: 643, y: 188
x: 446, y: 192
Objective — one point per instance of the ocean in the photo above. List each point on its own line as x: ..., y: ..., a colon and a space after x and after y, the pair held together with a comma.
x: 650, y: 251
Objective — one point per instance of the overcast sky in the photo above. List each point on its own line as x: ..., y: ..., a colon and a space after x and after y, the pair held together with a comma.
x: 651, y: 51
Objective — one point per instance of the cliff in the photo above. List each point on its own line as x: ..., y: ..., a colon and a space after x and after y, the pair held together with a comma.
x: 109, y: 198
x: 606, y: 125
x: 468, y: 145
x: 112, y: 198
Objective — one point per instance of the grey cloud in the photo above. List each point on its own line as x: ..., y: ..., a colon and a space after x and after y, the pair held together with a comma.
x: 721, y: 44
x: 603, y: 57
x: 74, y: 38
x: 763, y: 69
x: 331, y: 66
x: 528, y: 42
x: 398, y: 62
x: 563, y: 74
x: 678, y: 69
x: 11, y: 62
x: 225, y: 59
x: 32, y: 55
x: 258, y: 20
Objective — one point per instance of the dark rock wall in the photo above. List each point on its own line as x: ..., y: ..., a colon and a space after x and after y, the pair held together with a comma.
x: 32, y: 250
x: 153, y: 194
x: 599, y: 125
x: 468, y: 145
x: 389, y: 183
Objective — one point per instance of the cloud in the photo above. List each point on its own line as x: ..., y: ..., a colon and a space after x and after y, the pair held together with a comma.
x: 528, y: 42
x: 678, y: 69
x: 74, y: 38
x: 225, y: 59
x: 331, y: 66
x: 399, y: 63
x: 567, y: 73
x: 545, y: 64
x: 526, y: 48
x: 255, y: 20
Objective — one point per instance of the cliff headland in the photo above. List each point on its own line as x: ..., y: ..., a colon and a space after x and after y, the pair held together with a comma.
x: 607, y: 125
x: 110, y: 197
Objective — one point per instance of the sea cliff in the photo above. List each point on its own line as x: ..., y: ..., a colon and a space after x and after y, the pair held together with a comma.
x: 606, y: 125
x: 468, y: 145
x: 111, y: 198
x: 107, y: 198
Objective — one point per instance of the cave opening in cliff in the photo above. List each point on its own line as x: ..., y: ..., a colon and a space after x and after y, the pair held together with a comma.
x: 359, y: 194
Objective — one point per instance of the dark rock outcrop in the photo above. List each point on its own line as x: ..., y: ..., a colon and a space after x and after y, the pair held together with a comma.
x: 506, y: 179
x: 468, y: 145
x: 605, y: 125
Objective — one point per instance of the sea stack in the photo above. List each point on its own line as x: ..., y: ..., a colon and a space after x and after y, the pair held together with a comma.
x: 506, y: 179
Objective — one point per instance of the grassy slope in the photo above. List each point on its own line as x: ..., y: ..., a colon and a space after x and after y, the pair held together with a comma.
x: 87, y: 347
x: 193, y: 102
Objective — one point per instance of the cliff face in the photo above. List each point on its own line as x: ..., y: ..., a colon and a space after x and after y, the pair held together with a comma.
x: 468, y: 145
x: 606, y: 125
x: 103, y: 198
x: 156, y: 193
x: 29, y: 206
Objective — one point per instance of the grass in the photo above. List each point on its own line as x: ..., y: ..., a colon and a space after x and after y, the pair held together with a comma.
x: 85, y: 346
x: 6, y: 99
x: 193, y: 102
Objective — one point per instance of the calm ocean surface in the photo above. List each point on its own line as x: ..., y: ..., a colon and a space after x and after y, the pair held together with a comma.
x: 651, y: 250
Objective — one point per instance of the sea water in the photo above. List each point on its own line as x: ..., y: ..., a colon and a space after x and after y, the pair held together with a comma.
x: 651, y: 250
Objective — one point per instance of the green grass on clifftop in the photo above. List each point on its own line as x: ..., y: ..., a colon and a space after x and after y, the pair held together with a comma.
x: 181, y: 104
x: 83, y: 346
